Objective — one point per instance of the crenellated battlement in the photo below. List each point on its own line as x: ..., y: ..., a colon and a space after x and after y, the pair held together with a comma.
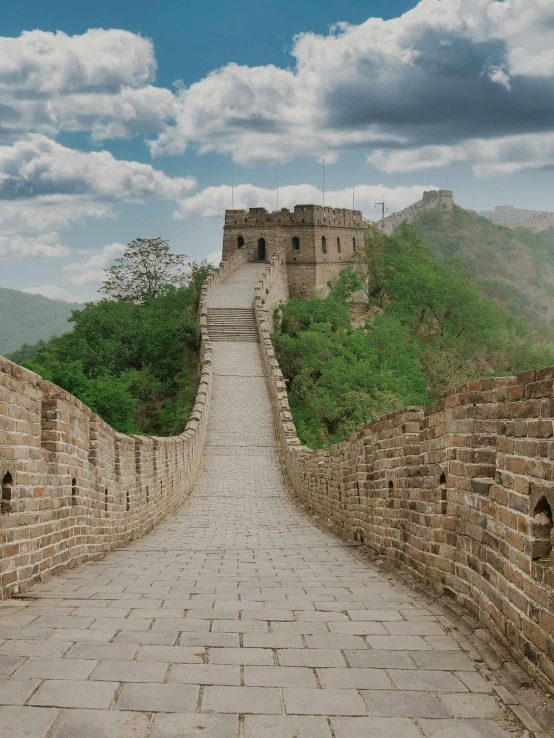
x: 301, y: 215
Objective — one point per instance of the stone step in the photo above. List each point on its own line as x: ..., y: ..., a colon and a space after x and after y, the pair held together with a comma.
x: 232, y: 324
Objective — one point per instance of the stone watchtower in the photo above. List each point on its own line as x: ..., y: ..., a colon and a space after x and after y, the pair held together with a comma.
x: 318, y: 241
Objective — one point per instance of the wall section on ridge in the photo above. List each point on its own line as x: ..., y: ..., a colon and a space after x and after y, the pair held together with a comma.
x: 460, y: 494
x: 431, y: 200
x: 72, y: 487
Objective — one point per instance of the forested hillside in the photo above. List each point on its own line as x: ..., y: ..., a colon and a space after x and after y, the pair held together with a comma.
x: 424, y: 326
x: 514, y: 267
x: 29, y: 318
x: 133, y: 357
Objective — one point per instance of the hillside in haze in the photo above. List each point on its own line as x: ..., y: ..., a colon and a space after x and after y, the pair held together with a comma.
x: 28, y: 318
x: 515, y: 268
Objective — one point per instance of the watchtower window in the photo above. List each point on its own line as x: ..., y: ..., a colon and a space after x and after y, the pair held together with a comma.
x: 391, y: 489
x: 106, y: 500
x: 338, y: 245
x: 74, y: 492
x: 354, y: 244
x: 128, y: 500
x: 6, y: 502
x: 261, y: 249
x: 324, y: 244
x: 147, y: 495
x: 295, y: 243
x: 240, y: 242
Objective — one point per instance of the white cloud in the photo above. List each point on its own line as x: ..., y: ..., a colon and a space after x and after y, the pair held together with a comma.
x: 212, y: 201
x: 29, y: 228
x: 46, y: 187
x: 420, y: 80
x: 423, y: 79
x: 215, y: 258
x: 40, y: 61
x: 99, y: 81
x: 489, y: 158
x: 91, y: 269
x: 53, y: 291
x: 37, y: 165
x: 46, y: 245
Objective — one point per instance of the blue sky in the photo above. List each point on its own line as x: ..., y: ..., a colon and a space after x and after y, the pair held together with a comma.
x: 120, y: 119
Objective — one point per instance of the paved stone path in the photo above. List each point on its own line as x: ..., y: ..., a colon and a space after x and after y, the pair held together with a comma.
x: 237, y: 618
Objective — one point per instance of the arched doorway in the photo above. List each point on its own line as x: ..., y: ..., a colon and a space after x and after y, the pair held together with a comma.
x: 240, y: 242
x: 261, y: 249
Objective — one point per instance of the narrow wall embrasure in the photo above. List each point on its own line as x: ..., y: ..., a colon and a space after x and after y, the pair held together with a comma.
x: 460, y: 494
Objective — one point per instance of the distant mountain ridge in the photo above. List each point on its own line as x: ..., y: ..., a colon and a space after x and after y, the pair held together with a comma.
x: 514, y: 264
x: 511, y: 214
x: 26, y: 318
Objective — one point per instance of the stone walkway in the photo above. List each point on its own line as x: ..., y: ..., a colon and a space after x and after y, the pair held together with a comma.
x: 237, y: 618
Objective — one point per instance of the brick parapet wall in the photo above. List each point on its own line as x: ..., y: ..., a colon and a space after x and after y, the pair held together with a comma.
x: 536, y: 224
x: 430, y: 200
x: 448, y: 493
x: 124, y: 485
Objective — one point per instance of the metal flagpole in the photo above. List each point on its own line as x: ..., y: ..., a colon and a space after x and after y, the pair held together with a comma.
x: 323, y: 188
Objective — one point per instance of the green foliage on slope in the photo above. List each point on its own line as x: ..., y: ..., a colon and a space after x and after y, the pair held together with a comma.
x: 515, y: 268
x: 26, y: 319
x: 425, y: 327
x: 135, y: 365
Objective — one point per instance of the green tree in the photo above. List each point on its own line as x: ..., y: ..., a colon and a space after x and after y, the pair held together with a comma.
x: 136, y: 364
x: 347, y: 284
x: 371, y: 264
x: 146, y: 267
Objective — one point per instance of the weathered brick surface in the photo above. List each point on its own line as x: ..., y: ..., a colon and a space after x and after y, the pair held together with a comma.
x: 460, y: 493
x: 78, y: 487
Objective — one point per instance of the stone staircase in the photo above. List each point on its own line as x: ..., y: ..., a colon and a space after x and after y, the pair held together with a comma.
x: 232, y: 324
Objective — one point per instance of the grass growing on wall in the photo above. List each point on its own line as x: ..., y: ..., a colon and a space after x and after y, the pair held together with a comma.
x: 424, y: 326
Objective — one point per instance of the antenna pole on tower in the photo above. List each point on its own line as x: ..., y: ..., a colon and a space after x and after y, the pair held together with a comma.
x: 353, y: 189
x: 232, y: 185
x: 323, y: 188
x: 277, y: 180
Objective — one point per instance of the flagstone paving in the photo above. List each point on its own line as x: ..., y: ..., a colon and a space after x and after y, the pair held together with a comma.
x: 238, y: 618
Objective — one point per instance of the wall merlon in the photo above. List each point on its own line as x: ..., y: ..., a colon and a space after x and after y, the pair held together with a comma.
x: 302, y: 214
